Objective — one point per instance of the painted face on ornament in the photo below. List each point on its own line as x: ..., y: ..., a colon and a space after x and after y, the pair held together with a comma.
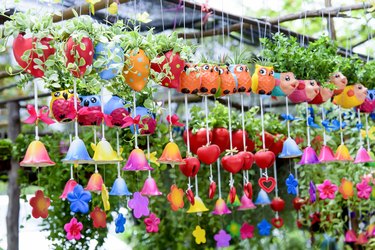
x: 360, y: 92
x: 326, y: 93
x: 90, y: 101
x: 228, y: 81
x: 210, y: 79
x: 311, y: 89
x: 351, y: 96
x: 263, y: 80
x: 242, y: 73
x: 288, y: 83
x: 340, y: 82
x: 190, y: 79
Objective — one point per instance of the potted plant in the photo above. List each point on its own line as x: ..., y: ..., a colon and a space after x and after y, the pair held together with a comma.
x: 172, y: 52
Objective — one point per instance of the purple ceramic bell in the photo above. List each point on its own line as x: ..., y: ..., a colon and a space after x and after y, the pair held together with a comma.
x: 309, y: 156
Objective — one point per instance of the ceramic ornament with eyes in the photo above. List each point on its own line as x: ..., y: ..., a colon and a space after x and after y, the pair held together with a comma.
x: 324, y: 95
x: 368, y: 106
x: 89, y: 112
x: 115, y: 107
x: 340, y: 82
x: 242, y: 73
x: 352, y: 96
x: 229, y: 82
x: 210, y: 79
x: 306, y: 91
x: 286, y: 83
x: 190, y: 79
x: 263, y: 80
x: 62, y: 105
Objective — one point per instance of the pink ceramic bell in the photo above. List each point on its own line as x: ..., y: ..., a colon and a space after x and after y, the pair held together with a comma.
x: 362, y: 156
x: 326, y: 155
x: 350, y: 236
x: 221, y: 207
x: 95, y: 183
x: 246, y: 203
x: 69, y: 186
x: 150, y: 188
x: 137, y: 161
x: 361, y: 239
x: 309, y: 156
x: 36, y: 156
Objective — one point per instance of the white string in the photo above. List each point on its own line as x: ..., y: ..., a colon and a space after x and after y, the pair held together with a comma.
x: 287, y: 113
x: 341, y: 131
x: 170, y: 115
x: 162, y: 13
x: 324, y: 129
x: 148, y: 153
x: 230, y: 125
x: 187, y: 126
x: 360, y: 134
x: 71, y: 165
x: 243, y: 123
x: 118, y: 151
x: 296, y: 177
x: 349, y: 217
x: 262, y: 121
x: 36, y: 109
x: 207, y: 130
x: 102, y: 109
x: 367, y: 136
x: 76, y: 108
x: 218, y: 177
x: 135, y: 126
x: 307, y: 125
x: 275, y: 174
x: 196, y: 185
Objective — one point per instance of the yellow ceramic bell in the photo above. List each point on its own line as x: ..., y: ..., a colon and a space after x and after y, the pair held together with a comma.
x: 104, y: 153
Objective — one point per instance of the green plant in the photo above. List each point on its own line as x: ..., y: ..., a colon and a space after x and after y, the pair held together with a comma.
x: 366, y: 75
x: 5, y: 149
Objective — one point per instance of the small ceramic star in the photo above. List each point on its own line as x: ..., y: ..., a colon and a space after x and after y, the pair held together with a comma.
x: 40, y: 205
x: 291, y: 184
x: 99, y: 218
x: 222, y: 239
x: 175, y: 198
x: 105, y: 198
x: 327, y: 190
x: 73, y: 229
x: 79, y: 200
x: 199, y: 235
x: 247, y: 231
x: 153, y: 158
x: 264, y: 228
x: 234, y: 229
x: 120, y: 223
x: 139, y: 204
x: 152, y: 223
x: 363, y: 189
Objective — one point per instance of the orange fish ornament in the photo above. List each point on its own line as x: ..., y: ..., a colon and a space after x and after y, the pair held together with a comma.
x: 352, y: 96
x: 263, y: 80
x: 210, y: 80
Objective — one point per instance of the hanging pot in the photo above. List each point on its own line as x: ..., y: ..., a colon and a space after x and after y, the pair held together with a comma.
x: 62, y: 105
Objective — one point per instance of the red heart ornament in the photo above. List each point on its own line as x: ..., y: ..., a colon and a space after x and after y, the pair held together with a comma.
x: 74, y: 52
x: 248, y: 159
x: 208, y: 154
x: 212, y: 190
x: 232, y: 195
x: 190, y: 167
x: 264, y: 158
x: 21, y: 45
x: 270, y: 181
x: 277, y: 204
x: 232, y: 163
x: 277, y: 222
x: 190, y: 196
x: 248, y: 190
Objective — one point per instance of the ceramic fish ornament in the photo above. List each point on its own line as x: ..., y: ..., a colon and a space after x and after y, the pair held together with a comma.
x: 263, y: 80
x: 340, y: 82
x: 351, y: 96
x: 286, y: 83
x: 306, y: 91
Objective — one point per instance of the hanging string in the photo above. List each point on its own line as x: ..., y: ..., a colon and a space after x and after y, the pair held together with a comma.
x: 219, y: 177
x: 367, y: 136
x: 207, y: 132
x: 96, y: 166
x: 276, y: 186
x: 162, y: 13
x: 36, y: 108
x: 324, y: 129
x: 287, y: 113
x: 196, y: 185
x: 231, y: 180
x: 359, y: 126
x: 222, y: 21
x: 341, y: 130
x: 76, y: 108
x: 118, y: 151
x: 71, y: 165
x: 307, y: 125
x: 148, y: 153
x: 135, y: 126
x: 241, y: 30
x: 187, y: 127
x: 349, y: 216
x: 243, y: 123
x: 102, y: 109
x: 170, y: 115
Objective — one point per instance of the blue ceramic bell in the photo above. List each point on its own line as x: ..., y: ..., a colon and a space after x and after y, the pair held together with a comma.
x: 290, y: 149
x: 77, y: 153
x: 120, y: 188
x: 262, y: 198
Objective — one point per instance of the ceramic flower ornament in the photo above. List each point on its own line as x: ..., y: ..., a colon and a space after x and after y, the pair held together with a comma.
x: 363, y: 189
x: 79, y: 200
x: 40, y: 205
x: 73, y: 229
x: 105, y: 198
x: 199, y: 235
x: 346, y: 189
x: 291, y: 184
x: 120, y: 223
x: 99, y: 218
x: 175, y: 198
x: 312, y: 192
x: 152, y: 223
x: 327, y: 190
x: 264, y: 228
x: 139, y: 204
x: 222, y: 239
x: 247, y: 231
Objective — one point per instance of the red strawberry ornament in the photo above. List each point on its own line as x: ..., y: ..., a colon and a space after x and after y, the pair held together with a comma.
x: 232, y: 163
x: 208, y: 154
x: 176, y: 65
x: 81, y: 54
x: 264, y: 158
x: 237, y: 141
x: 277, y: 146
x: 198, y: 139
x: 190, y: 167
x: 277, y: 204
x: 22, y: 44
